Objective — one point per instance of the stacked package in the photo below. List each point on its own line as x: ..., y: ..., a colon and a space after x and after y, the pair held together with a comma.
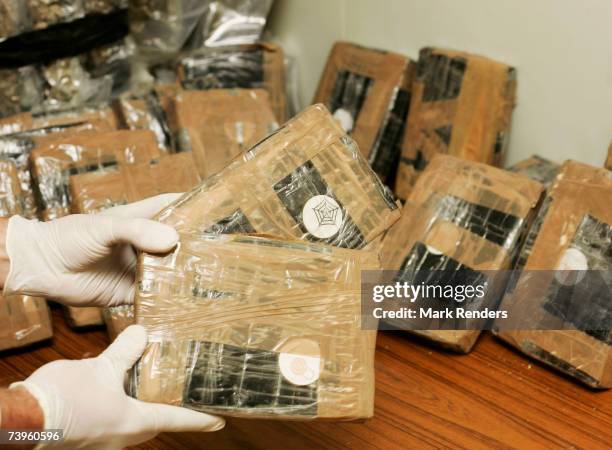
x: 96, y: 191
x: 24, y: 319
x: 255, y: 66
x: 462, y: 217
x: 368, y: 92
x: 563, y: 294
x: 57, y: 157
x: 219, y: 124
x: 24, y: 132
x: 268, y: 326
x: 461, y: 105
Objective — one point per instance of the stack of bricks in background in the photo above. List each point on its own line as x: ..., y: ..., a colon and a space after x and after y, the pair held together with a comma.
x: 462, y: 216
x: 24, y: 319
x: 219, y: 124
x: 307, y: 181
x: 95, y: 191
x: 568, y: 318
x: 245, y: 66
x: 368, y: 92
x: 57, y: 157
x: 23, y: 132
x: 461, y: 105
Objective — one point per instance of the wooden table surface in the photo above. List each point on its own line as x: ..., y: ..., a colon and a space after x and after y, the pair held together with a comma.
x: 425, y: 398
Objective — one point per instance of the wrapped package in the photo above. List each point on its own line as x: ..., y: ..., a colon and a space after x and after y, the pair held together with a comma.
x: 461, y: 216
x: 69, y: 154
x: 307, y: 181
x: 20, y: 90
x: 230, y: 22
x: 256, y: 327
x: 461, y: 105
x: 219, y: 124
x: 83, y: 317
x: 368, y: 92
x: 96, y: 191
x: 569, y: 314
x: 245, y: 66
x: 33, y: 131
x: 24, y: 320
x: 537, y: 168
x: 103, y: 6
x: 117, y: 319
x: 148, y: 111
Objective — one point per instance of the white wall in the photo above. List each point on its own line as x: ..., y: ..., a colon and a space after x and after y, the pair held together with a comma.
x: 562, y: 50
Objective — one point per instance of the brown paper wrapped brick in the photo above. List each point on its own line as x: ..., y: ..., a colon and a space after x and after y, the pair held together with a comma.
x: 24, y: 319
x: 306, y: 181
x: 574, y: 231
x: 249, y: 66
x: 96, y: 191
x: 83, y: 317
x: 461, y: 215
x: 256, y: 327
x: 219, y: 124
x: 68, y: 154
x: 365, y: 89
x: 461, y: 105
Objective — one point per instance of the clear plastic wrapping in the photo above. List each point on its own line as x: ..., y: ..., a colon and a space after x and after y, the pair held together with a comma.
x: 45, y: 13
x: 162, y: 28
x: 537, y: 168
x: 308, y: 180
x: 113, y: 60
x: 24, y: 319
x: 69, y: 154
x: 462, y: 216
x: 14, y: 18
x: 96, y: 191
x: 461, y: 105
x: 573, y: 233
x: 117, y: 319
x: 231, y: 22
x: 147, y: 112
x: 219, y: 124
x: 368, y: 92
x: 245, y: 66
x: 25, y: 132
x: 256, y: 327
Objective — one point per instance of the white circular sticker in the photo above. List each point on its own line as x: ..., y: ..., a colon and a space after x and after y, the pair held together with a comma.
x: 345, y: 119
x: 322, y: 216
x: 300, y: 364
x: 572, y: 266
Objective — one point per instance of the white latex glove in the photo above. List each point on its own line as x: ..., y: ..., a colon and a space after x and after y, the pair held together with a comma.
x: 85, y: 259
x: 86, y: 399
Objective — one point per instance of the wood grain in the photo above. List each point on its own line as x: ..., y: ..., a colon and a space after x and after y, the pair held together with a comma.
x: 425, y: 398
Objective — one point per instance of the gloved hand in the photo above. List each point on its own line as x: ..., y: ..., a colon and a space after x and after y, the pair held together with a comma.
x: 85, y: 259
x: 86, y: 399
